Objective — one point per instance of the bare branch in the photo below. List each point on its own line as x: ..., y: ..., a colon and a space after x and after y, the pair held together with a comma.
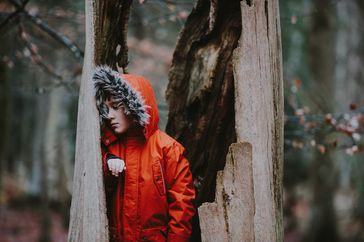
x: 10, y: 16
x: 35, y: 57
x: 78, y: 53
x: 14, y: 14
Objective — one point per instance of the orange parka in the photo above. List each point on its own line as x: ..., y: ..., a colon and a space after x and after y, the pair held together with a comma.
x: 152, y: 200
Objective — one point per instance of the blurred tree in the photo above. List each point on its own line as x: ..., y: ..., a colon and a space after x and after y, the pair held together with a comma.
x: 357, y: 73
x: 321, y: 61
x: 33, y: 117
x: 349, y: 86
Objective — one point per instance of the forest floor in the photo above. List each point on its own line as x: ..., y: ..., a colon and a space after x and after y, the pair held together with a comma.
x: 24, y: 225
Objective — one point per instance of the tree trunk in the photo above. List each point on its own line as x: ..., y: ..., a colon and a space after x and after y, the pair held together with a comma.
x: 349, y: 85
x: 248, y: 203
x: 350, y: 54
x: 105, y: 44
x: 259, y: 111
x: 321, y: 46
x: 39, y: 173
x: 46, y: 222
x: 3, y: 102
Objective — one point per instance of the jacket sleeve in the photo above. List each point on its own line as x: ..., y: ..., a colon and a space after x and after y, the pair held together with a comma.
x: 180, y: 195
x: 109, y: 180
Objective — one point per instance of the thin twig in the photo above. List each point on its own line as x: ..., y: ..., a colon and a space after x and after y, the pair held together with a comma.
x: 10, y: 16
x: 78, y: 53
x: 35, y: 56
x: 14, y: 14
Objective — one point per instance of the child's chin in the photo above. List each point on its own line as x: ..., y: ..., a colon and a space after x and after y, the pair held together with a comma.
x: 118, y: 131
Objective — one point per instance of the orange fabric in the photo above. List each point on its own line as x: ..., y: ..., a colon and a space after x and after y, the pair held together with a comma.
x: 152, y: 199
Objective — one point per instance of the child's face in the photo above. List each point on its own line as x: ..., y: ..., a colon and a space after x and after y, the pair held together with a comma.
x: 117, y: 118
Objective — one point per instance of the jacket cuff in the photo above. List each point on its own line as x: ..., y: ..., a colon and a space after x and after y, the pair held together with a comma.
x: 105, y: 168
x: 107, y: 157
x: 111, y: 156
x: 176, y: 238
x: 110, y: 181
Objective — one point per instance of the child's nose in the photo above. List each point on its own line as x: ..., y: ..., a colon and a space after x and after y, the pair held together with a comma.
x: 110, y: 114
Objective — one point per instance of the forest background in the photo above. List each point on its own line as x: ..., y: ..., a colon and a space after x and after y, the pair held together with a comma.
x: 41, y: 48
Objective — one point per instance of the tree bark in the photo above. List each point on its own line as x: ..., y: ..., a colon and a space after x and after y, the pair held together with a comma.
x: 88, y: 213
x: 200, y: 92
x: 259, y: 111
x: 104, y: 33
x: 231, y: 216
x: 112, y: 24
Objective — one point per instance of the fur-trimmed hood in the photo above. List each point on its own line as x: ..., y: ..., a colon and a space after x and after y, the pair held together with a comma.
x: 133, y: 91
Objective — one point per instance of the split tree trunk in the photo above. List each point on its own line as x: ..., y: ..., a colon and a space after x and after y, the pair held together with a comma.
x: 251, y: 191
x: 248, y: 202
x: 200, y: 92
x: 105, y: 44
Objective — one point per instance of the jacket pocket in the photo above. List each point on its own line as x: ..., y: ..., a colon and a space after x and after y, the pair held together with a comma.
x: 158, y: 178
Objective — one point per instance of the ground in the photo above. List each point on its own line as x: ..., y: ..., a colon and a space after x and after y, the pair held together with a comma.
x: 23, y: 225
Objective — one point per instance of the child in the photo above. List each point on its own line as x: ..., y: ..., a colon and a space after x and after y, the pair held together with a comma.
x: 148, y: 183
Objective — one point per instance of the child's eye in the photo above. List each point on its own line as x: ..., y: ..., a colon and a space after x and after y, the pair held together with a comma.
x: 114, y: 106
x: 117, y: 107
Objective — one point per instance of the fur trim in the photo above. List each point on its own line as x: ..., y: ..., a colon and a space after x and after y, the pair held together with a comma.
x: 109, y: 83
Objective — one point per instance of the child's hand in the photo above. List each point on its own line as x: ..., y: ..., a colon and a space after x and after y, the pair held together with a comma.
x: 116, y: 165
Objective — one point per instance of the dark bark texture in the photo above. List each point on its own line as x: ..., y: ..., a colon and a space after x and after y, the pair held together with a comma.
x: 111, y: 47
x: 200, y: 91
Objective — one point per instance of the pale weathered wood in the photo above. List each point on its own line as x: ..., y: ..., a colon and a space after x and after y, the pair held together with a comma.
x: 259, y: 110
x: 88, y: 220
x: 259, y: 123
x: 231, y: 217
x: 106, y: 23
